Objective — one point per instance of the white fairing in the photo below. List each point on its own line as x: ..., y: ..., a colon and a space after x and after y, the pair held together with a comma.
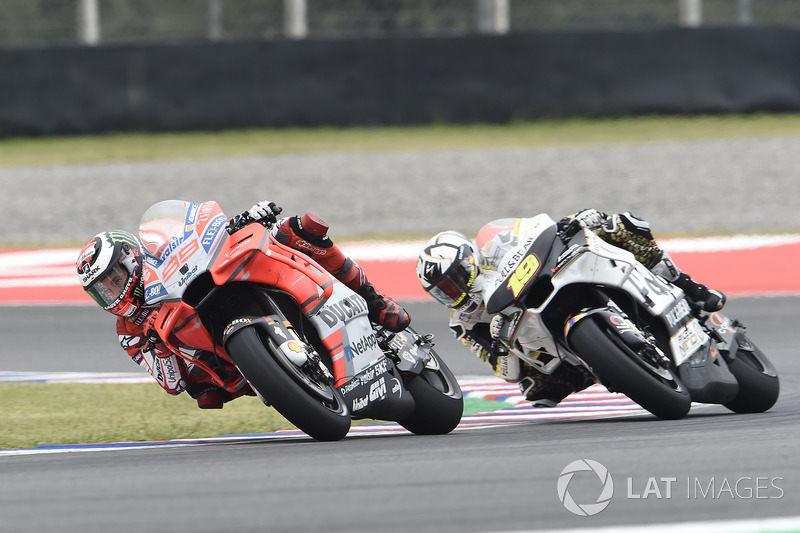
x: 180, y: 241
x: 601, y: 264
x: 513, y: 251
x: 347, y: 311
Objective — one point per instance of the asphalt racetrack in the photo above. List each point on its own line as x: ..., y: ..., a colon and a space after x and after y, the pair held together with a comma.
x: 712, y: 465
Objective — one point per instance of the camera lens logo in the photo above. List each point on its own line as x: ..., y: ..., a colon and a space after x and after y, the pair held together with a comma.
x: 586, y: 509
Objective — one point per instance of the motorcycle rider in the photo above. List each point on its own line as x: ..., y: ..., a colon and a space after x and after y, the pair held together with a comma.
x: 449, y: 269
x: 110, y: 271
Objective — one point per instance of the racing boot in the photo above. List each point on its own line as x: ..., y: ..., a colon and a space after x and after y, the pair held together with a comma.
x: 309, y: 234
x: 707, y: 299
x: 547, y: 390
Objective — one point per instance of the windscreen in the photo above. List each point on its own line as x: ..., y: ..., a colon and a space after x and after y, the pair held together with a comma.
x: 163, y: 224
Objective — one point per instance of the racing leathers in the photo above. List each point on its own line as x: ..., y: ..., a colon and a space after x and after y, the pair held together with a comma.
x: 173, y: 373
x: 474, y: 327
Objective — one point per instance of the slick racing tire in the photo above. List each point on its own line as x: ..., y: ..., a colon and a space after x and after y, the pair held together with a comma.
x: 317, y: 409
x: 758, y: 379
x: 438, y: 401
x: 620, y: 369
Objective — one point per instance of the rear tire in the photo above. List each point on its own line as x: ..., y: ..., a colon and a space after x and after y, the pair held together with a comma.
x: 619, y: 368
x: 439, y: 403
x: 758, y: 381
x: 322, y: 419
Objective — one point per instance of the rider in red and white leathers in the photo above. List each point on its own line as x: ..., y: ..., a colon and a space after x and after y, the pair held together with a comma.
x: 110, y: 271
x: 450, y: 268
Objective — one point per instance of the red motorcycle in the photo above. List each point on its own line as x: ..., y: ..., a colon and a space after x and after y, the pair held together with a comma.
x: 300, y: 338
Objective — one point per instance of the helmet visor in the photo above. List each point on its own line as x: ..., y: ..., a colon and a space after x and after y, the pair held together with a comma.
x: 453, y: 288
x: 109, y: 288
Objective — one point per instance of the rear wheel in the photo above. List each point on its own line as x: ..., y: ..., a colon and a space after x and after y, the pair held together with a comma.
x: 438, y: 401
x: 758, y: 379
x: 619, y: 368
x: 313, y: 405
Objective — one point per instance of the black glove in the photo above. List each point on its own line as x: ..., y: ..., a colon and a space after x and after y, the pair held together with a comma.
x: 153, y: 343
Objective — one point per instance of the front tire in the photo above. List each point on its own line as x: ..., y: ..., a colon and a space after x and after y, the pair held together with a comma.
x: 324, y: 417
x: 439, y: 403
x: 619, y: 368
x: 758, y: 380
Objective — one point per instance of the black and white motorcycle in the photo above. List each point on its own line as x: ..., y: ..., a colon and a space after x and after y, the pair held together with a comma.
x: 577, y: 300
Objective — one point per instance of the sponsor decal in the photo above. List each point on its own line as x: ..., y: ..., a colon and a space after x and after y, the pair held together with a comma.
x: 350, y: 385
x: 293, y: 346
x: 362, y: 345
x: 687, y: 340
x: 169, y: 367
x: 278, y: 331
x: 173, y: 244
x: 234, y: 324
x: 191, y: 214
x: 88, y: 275
x: 511, y: 263
x: 377, y: 390
x: 397, y: 388
x: 205, y: 211
x: 722, y: 323
x: 678, y: 313
x: 623, y: 325
x: 159, y: 376
x: 360, y: 403
x: 186, y: 278
x: 365, y: 378
x: 311, y: 248
x: 140, y: 317
x: 154, y: 291
x: 568, y: 255
x: 343, y: 310
x: 432, y: 271
x: 212, y: 231
x: 88, y: 255
x: 130, y: 341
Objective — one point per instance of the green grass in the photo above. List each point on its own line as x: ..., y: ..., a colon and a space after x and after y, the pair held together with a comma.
x: 146, y: 146
x: 35, y: 414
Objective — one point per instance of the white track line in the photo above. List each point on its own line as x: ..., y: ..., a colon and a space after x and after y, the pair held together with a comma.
x: 787, y: 524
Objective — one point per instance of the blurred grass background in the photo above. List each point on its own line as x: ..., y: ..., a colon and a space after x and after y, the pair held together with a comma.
x: 44, y: 151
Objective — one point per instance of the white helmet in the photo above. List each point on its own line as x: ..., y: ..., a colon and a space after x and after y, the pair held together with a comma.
x: 447, y: 269
x: 110, y: 271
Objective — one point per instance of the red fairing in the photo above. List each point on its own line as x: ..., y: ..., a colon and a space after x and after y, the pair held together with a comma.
x: 254, y: 255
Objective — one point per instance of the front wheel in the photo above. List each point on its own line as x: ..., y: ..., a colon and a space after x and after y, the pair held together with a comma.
x: 438, y: 401
x: 315, y: 407
x: 758, y: 379
x: 619, y: 368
